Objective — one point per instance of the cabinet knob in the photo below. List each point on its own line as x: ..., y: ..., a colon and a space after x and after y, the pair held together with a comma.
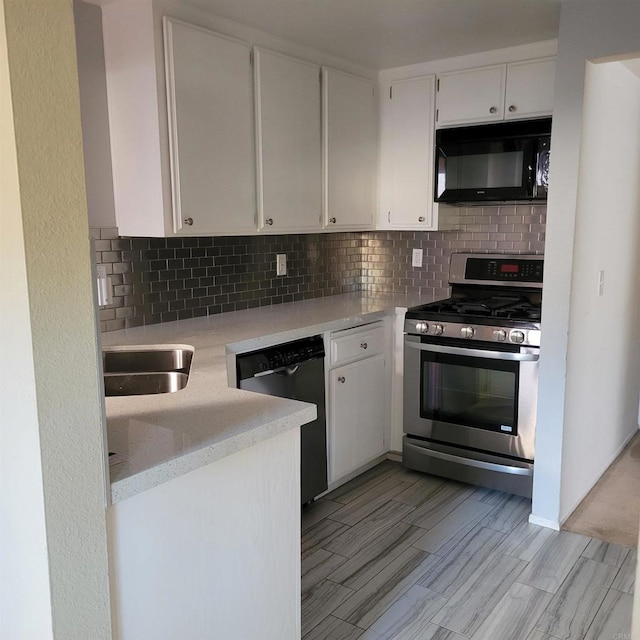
x: 332, y: 220
x: 269, y: 221
x: 512, y: 108
x: 421, y: 219
x: 364, y: 345
x: 341, y: 379
x: 188, y: 221
x: 493, y: 110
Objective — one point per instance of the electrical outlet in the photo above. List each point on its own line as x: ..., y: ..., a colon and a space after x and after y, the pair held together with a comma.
x: 416, y: 260
x: 600, y: 283
x: 281, y: 264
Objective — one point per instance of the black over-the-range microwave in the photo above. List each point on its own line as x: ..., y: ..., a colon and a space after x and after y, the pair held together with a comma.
x: 501, y: 162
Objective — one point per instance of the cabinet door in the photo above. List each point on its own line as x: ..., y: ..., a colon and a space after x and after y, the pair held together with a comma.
x: 356, y: 415
x: 288, y: 125
x: 530, y: 88
x: 210, y: 106
x: 474, y: 95
x: 410, y: 144
x: 349, y: 150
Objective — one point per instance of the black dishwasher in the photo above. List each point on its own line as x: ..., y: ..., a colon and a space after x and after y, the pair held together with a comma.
x: 294, y: 370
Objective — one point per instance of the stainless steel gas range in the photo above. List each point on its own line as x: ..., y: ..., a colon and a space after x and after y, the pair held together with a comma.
x: 471, y: 374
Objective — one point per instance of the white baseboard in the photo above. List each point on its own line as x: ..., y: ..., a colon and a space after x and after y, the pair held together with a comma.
x: 396, y: 456
x: 544, y: 522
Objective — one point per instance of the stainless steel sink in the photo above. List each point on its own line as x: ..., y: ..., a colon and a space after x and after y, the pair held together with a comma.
x: 146, y: 359
x: 145, y: 370
x: 137, y: 384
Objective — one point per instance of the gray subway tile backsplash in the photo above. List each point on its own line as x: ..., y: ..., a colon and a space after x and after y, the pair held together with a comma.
x: 164, y: 279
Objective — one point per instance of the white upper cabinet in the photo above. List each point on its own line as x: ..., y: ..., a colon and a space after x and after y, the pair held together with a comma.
x: 474, y: 95
x: 407, y: 155
x: 349, y: 150
x: 505, y: 91
x: 530, y: 87
x: 210, y: 108
x: 289, y: 151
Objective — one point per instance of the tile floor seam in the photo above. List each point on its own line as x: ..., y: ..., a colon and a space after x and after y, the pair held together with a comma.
x: 506, y: 521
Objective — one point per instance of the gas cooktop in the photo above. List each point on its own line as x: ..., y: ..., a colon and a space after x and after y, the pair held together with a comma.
x: 495, y: 298
x: 493, y: 307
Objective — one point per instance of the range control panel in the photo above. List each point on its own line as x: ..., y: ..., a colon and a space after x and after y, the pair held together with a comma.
x: 504, y: 270
x: 523, y: 270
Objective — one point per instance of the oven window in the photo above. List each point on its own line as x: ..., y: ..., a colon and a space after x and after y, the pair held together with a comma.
x: 474, y: 392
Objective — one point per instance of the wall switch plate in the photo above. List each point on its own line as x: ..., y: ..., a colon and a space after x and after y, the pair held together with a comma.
x: 416, y: 260
x: 600, y: 283
x: 281, y: 264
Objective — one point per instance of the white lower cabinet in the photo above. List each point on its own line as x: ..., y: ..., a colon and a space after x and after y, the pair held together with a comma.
x: 357, y: 410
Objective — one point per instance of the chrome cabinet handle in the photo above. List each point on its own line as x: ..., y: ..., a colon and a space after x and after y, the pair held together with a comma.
x: 364, y: 345
x: 421, y: 219
x: 332, y: 220
x: 188, y: 221
x: 269, y: 221
x: 341, y: 379
x: 512, y: 108
x: 493, y: 110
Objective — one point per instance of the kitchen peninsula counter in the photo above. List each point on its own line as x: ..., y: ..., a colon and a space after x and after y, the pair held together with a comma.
x: 164, y: 436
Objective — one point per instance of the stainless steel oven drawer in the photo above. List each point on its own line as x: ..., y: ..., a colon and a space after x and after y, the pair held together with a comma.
x: 472, y: 467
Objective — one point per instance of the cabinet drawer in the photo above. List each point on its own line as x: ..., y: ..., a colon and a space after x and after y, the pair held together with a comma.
x: 360, y: 342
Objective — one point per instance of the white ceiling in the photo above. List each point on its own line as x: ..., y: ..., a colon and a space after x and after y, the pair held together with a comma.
x: 390, y: 33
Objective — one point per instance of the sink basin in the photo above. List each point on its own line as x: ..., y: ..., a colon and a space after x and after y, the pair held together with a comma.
x: 145, y: 370
x: 146, y: 359
x: 137, y: 384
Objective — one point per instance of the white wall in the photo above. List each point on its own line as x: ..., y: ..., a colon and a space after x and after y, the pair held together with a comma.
x: 24, y: 573
x: 54, y: 554
x: 589, y: 29
x: 603, y: 379
x: 95, y: 116
x: 214, y: 553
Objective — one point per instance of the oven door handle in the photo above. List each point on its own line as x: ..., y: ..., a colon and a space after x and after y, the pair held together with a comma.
x: 474, y: 353
x: 470, y: 462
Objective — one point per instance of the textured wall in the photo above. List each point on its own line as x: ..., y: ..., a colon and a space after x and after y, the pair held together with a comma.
x: 64, y: 351
x: 160, y: 280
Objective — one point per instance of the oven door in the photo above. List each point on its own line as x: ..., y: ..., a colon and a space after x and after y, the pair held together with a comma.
x: 473, y: 396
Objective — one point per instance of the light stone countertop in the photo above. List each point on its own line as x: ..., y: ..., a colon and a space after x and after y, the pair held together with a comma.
x: 166, y: 435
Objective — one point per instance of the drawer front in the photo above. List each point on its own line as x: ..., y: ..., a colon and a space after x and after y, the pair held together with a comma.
x: 357, y: 343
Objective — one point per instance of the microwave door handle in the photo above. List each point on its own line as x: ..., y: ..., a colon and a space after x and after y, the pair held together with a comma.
x: 474, y: 353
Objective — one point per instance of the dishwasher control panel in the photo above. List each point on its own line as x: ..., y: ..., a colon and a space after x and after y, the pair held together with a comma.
x: 287, y: 354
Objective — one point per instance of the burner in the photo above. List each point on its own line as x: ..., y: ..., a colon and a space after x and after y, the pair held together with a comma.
x: 506, y: 307
x: 487, y: 306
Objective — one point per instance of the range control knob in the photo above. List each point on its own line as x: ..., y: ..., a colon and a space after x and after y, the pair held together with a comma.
x: 467, y: 332
x: 517, y: 337
x: 422, y: 327
x: 500, y: 335
x: 437, y: 329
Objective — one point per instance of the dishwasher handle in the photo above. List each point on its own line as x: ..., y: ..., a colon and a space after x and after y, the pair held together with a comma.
x: 280, y: 371
x: 282, y: 359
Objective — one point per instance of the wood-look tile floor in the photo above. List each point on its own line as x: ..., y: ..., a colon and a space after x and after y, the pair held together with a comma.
x: 400, y: 555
